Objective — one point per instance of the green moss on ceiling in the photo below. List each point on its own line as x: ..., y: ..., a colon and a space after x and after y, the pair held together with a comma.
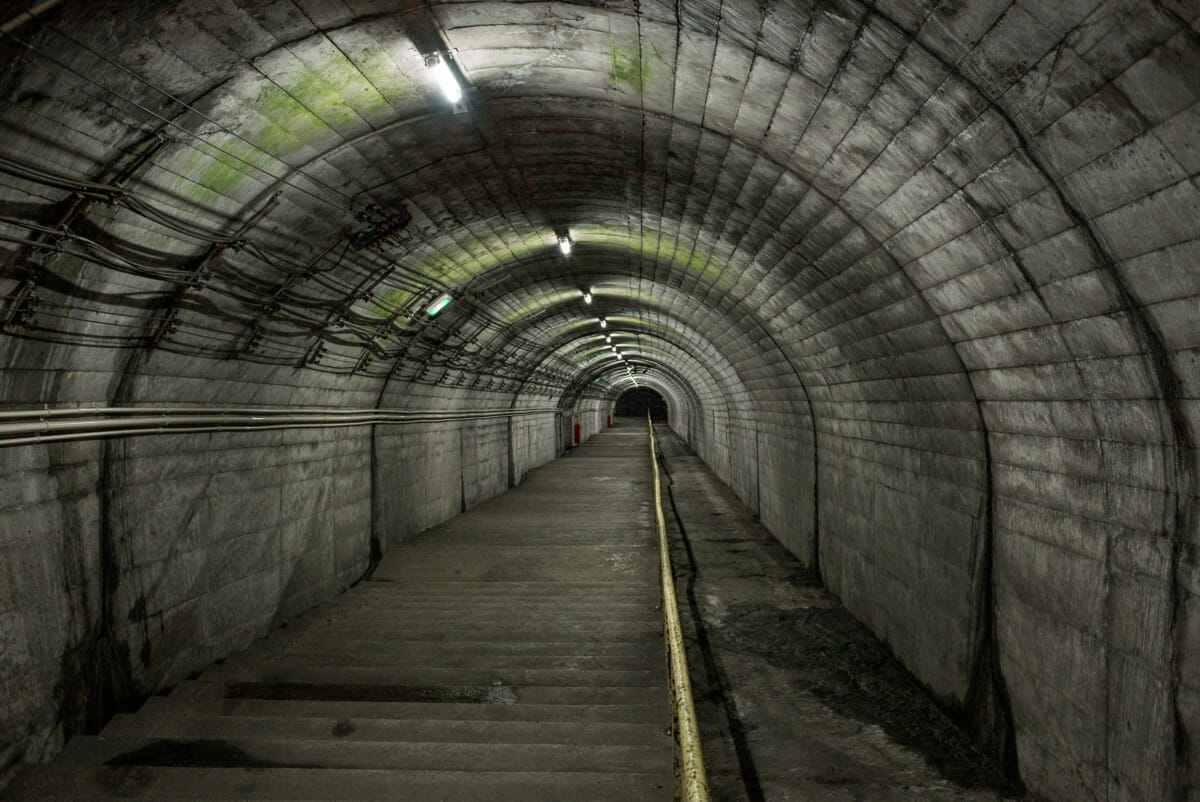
x: 533, y: 305
x: 278, y: 117
x: 629, y: 68
x: 466, y: 259
x: 388, y: 302
x: 321, y: 111
x: 229, y: 161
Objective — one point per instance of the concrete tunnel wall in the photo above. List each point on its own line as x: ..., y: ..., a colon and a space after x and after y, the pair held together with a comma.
x: 132, y: 562
x: 919, y: 281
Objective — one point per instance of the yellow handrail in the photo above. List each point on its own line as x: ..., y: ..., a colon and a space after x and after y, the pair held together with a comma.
x: 691, y: 784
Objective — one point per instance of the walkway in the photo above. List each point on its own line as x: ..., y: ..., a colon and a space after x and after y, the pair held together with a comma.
x: 513, y: 653
x: 796, y: 699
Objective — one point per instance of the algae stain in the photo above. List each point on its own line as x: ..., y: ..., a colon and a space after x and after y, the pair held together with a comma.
x: 229, y: 165
x: 282, y: 108
x: 289, y: 127
x: 389, y: 301
x: 628, y: 67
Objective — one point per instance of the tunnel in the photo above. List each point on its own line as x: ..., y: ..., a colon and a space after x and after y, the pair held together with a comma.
x: 287, y: 282
x: 641, y: 402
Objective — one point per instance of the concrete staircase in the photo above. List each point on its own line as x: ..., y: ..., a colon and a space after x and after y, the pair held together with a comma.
x: 514, y: 653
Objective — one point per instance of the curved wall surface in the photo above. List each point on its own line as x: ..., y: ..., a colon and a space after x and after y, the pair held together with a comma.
x: 918, y: 280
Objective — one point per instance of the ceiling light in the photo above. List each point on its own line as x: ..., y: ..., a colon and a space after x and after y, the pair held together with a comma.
x: 587, y: 297
x: 564, y: 245
x: 444, y: 77
x: 603, y: 323
x: 438, y: 304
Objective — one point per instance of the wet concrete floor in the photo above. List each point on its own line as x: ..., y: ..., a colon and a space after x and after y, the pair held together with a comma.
x: 796, y: 699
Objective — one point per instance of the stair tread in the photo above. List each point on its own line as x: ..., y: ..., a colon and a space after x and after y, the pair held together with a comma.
x: 335, y: 785
x: 531, y: 631
x: 342, y: 753
x: 188, y: 702
x: 166, y: 724
x: 470, y: 662
x: 281, y: 672
x: 517, y: 657
x: 503, y: 696
x: 553, y: 649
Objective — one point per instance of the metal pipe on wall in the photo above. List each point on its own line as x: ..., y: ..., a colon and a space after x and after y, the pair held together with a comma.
x: 33, y: 426
x: 30, y: 14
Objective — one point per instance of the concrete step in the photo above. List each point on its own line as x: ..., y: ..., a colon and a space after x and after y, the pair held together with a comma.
x: 530, y: 632
x: 475, y: 598
x: 632, y: 599
x: 458, y: 642
x: 284, y: 672
x: 282, y: 643
x: 605, y: 594
x: 573, y: 607
x: 342, y: 753
x: 585, y: 553
x: 163, y: 722
x: 205, y: 699
x: 334, y: 785
x: 365, y: 623
x: 596, y: 631
x: 459, y: 660
x: 483, y: 597
x: 552, y: 585
x: 495, y: 616
x: 611, y: 591
x: 514, y: 653
x: 517, y: 534
x: 521, y: 564
x: 488, y: 695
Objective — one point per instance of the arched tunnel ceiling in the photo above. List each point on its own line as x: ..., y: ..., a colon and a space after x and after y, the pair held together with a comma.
x: 921, y: 277
x: 833, y: 180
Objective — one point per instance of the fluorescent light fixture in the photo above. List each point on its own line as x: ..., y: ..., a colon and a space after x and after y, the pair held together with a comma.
x: 564, y: 245
x: 587, y: 297
x: 603, y: 323
x: 439, y: 303
x: 444, y: 77
x: 608, y: 337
